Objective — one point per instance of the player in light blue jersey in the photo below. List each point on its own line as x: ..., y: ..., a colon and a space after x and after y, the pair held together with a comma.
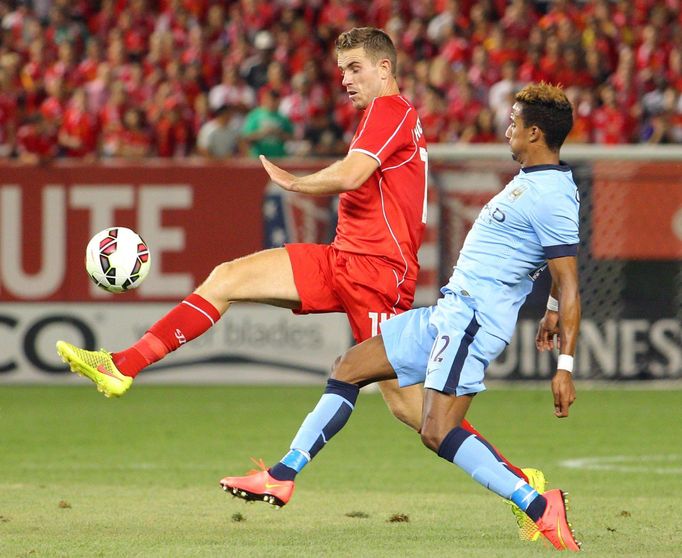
x: 530, y: 225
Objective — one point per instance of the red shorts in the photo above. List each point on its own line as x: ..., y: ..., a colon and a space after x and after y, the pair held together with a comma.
x: 366, y: 288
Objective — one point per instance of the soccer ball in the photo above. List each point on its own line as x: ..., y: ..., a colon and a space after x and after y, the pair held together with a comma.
x: 117, y: 259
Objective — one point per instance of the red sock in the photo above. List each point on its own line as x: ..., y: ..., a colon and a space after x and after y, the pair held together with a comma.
x: 514, y: 469
x: 187, y: 321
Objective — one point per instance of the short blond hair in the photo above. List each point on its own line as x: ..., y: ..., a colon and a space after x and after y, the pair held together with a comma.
x: 376, y: 43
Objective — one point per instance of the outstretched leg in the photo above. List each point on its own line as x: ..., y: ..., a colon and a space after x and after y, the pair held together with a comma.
x: 406, y: 405
x: 442, y: 433
x: 265, y: 276
x: 361, y: 365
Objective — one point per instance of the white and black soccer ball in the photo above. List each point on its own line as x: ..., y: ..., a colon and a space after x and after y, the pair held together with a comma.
x: 117, y: 259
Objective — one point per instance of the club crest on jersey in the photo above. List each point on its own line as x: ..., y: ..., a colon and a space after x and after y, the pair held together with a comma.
x: 516, y: 193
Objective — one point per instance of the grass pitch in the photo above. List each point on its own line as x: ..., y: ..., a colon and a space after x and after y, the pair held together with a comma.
x: 86, y: 476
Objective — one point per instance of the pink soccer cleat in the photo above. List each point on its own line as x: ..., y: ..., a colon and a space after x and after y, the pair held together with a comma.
x: 554, y: 524
x: 259, y: 486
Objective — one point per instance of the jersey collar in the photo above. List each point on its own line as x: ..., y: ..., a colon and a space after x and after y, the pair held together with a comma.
x: 563, y: 167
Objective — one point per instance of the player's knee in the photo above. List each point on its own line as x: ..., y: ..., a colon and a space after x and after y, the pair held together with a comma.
x: 405, y: 412
x: 431, y: 434
x: 220, y: 281
x: 408, y: 418
x: 341, y: 371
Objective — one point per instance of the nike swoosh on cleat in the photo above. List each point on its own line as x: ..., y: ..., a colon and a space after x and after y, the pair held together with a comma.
x: 561, y: 539
x: 102, y: 368
x: 268, y: 485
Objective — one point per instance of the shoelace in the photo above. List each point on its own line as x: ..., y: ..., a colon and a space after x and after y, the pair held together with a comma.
x: 260, y: 464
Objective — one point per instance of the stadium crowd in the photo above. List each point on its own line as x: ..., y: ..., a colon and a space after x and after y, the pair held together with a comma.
x: 172, y: 78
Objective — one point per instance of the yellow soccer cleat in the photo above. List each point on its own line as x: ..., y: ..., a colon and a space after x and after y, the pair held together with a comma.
x: 528, y: 530
x: 96, y: 365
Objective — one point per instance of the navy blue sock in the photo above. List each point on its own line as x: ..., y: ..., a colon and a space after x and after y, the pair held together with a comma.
x: 485, y: 467
x: 326, y: 419
x: 281, y: 472
x: 537, y: 507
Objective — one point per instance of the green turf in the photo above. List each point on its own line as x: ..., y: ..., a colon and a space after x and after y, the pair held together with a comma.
x: 86, y: 476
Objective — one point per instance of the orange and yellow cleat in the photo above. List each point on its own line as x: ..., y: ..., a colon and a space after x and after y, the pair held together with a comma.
x: 554, y: 524
x: 259, y: 486
x: 528, y: 531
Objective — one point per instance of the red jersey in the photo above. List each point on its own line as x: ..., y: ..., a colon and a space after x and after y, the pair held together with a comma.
x: 386, y: 216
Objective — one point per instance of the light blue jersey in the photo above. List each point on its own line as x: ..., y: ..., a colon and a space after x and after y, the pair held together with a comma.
x: 449, y: 346
x: 533, y: 219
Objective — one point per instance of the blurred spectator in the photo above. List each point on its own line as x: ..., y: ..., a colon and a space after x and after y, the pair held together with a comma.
x: 172, y: 132
x: 297, y: 106
x: 37, y: 140
x: 462, y: 110
x: 659, y: 108
x: 610, y: 125
x: 218, y: 138
x: 322, y: 137
x: 131, y: 139
x: 201, y: 113
x: 266, y: 129
x: 676, y: 118
x: 78, y: 132
x: 52, y: 107
x: 431, y: 115
x: 255, y: 68
x: 88, y: 66
x: 233, y: 91
x: 188, y: 54
x: 653, y: 102
x: 501, y: 96
x: 8, y: 114
x: 32, y: 76
x: 111, y: 114
x: 583, y: 103
x: 482, y: 130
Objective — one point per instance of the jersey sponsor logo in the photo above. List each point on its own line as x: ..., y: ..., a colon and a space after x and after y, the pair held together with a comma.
x: 489, y: 214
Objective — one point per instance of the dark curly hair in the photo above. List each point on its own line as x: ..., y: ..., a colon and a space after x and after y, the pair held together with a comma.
x: 547, y: 107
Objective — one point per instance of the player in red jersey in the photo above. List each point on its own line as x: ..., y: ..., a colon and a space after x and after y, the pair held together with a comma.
x: 368, y: 271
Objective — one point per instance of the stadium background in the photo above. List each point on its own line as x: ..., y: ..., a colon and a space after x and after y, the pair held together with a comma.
x: 135, y: 81
x: 75, y: 69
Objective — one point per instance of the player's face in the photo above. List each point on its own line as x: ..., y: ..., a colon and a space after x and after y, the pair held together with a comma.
x: 361, y: 78
x: 517, y: 134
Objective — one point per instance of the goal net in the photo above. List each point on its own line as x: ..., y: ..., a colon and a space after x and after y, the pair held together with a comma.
x: 629, y: 259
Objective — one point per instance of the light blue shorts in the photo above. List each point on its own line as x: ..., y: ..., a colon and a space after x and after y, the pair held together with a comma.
x: 441, y: 346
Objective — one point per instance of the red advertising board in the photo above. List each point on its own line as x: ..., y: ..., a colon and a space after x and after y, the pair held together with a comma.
x: 192, y: 216
x: 637, y: 211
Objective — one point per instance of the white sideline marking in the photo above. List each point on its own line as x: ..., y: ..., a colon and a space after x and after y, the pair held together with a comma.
x: 671, y: 464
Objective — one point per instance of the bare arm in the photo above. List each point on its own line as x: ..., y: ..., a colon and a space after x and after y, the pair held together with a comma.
x: 565, y: 323
x: 343, y: 176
